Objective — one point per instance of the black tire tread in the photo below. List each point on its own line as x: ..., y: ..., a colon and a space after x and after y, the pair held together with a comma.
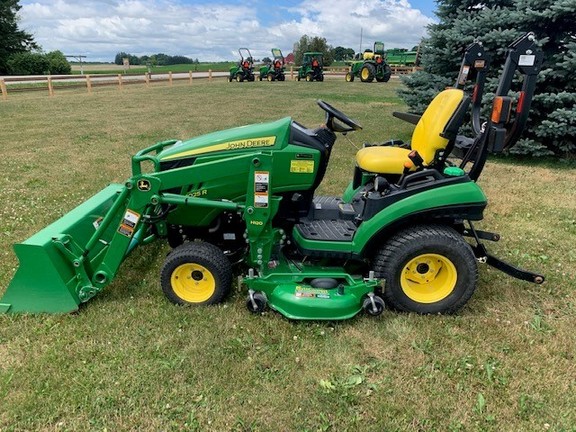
x: 372, y: 71
x: 206, y: 254
x: 389, y: 256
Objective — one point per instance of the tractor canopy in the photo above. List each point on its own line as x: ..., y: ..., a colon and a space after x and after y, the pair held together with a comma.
x: 277, y: 54
x: 309, y: 58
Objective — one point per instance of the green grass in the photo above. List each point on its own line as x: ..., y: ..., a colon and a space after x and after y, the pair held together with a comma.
x: 130, y: 360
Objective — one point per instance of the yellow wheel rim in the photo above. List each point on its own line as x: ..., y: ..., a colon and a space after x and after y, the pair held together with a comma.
x: 193, y: 283
x: 365, y: 73
x: 348, y: 77
x: 428, y: 278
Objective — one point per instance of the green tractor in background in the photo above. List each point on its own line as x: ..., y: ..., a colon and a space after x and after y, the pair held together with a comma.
x: 372, y: 66
x: 244, y: 70
x: 275, y: 70
x: 312, y: 68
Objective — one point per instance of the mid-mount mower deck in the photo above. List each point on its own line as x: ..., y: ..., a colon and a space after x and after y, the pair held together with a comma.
x: 246, y: 195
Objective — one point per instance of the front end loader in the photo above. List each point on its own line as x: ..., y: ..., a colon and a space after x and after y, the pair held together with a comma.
x: 245, y: 198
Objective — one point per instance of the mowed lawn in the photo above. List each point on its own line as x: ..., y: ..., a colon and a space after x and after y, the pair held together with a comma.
x: 130, y: 360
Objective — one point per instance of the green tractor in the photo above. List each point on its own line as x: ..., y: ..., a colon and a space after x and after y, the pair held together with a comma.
x: 244, y: 70
x: 373, y: 66
x: 275, y: 70
x: 312, y: 68
x: 396, y: 236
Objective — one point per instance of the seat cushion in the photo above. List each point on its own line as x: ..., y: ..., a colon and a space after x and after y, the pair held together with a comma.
x: 428, y: 136
x: 382, y: 160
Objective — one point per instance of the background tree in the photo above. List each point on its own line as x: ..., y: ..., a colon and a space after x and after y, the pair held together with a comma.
x: 28, y: 63
x: 12, y: 40
x: 315, y: 43
x: 58, y: 64
x: 119, y: 58
x: 340, y: 53
x: 496, y: 23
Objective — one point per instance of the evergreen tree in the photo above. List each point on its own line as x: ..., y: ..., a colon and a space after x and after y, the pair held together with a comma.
x: 496, y: 23
x: 12, y: 40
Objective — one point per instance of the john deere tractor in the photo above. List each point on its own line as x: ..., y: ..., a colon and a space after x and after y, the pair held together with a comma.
x: 275, y: 70
x: 402, y: 234
x: 244, y: 70
x: 373, y: 66
x: 312, y: 68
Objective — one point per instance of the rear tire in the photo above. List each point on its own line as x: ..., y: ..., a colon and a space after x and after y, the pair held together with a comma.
x: 196, y: 273
x: 386, y: 74
x: 428, y: 269
x: 367, y: 73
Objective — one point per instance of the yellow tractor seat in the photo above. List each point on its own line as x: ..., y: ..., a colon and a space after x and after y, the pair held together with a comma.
x: 382, y: 160
x: 435, y: 130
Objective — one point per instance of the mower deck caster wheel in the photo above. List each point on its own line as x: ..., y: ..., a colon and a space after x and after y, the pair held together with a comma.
x: 373, y: 305
x: 256, y: 302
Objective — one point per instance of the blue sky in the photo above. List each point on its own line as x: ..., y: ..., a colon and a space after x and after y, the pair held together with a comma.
x: 213, y: 31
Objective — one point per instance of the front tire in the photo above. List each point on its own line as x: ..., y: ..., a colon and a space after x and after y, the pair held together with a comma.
x: 349, y: 77
x: 385, y: 75
x: 196, y: 273
x: 428, y: 269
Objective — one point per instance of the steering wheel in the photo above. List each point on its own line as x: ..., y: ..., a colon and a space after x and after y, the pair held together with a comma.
x: 332, y: 113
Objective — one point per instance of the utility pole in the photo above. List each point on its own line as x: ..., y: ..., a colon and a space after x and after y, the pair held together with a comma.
x: 79, y: 58
x: 360, y: 50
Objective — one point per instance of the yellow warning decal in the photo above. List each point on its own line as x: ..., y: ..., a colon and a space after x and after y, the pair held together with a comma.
x: 302, y: 166
x: 230, y: 145
x: 129, y: 222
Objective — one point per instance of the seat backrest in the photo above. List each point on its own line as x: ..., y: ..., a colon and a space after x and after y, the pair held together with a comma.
x: 439, y: 124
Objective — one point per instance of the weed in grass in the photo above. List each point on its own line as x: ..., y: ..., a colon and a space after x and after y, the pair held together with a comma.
x: 539, y: 325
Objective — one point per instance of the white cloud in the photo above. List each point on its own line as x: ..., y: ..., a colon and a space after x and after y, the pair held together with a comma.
x: 214, y: 31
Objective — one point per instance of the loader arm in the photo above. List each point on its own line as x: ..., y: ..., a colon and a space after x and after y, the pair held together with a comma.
x: 74, y: 258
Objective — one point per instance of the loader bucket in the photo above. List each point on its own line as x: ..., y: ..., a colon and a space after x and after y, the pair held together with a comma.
x: 47, y: 278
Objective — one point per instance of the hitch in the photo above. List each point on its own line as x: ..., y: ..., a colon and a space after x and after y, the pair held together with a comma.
x: 484, y: 256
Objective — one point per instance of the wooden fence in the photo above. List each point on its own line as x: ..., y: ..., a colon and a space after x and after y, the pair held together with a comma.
x: 51, y: 84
